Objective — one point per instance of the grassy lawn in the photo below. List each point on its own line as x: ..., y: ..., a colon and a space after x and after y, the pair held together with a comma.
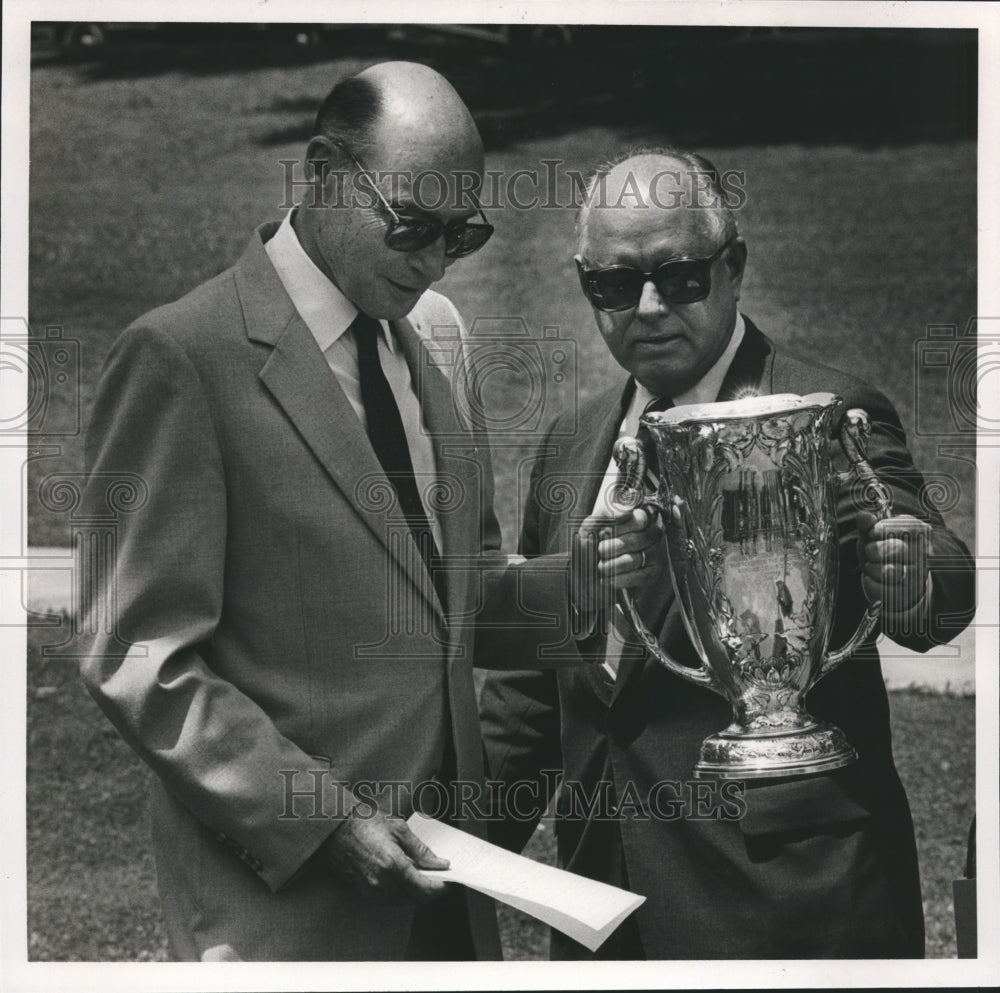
x: 148, y: 176
x: 91, y: 882
x: 143, y: 185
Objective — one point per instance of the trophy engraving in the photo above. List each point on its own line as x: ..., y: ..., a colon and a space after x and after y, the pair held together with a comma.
x: 748, y: 499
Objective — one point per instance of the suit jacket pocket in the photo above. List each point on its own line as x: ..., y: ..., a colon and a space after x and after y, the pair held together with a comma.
x: 815, y: 804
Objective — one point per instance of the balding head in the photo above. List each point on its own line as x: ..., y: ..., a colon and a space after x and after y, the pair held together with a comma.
x: 418, y: 105
x: 661, y: 262
x: 671, y: 185
x: 394, y: 147
x: 407, y: 109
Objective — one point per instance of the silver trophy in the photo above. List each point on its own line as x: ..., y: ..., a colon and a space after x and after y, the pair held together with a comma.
x: 748, y: 500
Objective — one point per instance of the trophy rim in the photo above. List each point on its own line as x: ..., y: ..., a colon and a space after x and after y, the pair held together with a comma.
x: 769, y: 404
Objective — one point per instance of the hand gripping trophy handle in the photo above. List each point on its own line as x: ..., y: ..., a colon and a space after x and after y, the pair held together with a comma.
x: 629, y: 494
x: 854, y: 431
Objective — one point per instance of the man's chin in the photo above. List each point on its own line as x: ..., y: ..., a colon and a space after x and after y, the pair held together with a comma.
x: 401, y: 303
x: 399, y: 312
x: 386, y: 311
x: 664, y: 384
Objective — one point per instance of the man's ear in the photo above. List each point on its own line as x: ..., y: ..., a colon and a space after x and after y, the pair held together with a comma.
x: 736, y: 258
x: 736, y: 261
x: 323, y: 159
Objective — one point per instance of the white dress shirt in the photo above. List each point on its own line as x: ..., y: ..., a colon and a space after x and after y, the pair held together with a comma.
x: 328, y: 314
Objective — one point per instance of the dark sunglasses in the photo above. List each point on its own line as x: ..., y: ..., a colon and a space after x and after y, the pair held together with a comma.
x: 619, y: 287
x: 409, y: 234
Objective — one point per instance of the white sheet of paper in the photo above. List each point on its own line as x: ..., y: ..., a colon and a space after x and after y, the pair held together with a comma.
x: 586, y: 910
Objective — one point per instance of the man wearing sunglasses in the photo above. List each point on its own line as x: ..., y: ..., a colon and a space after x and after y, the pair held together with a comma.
x: 823, y: 866
x: 284, y: 625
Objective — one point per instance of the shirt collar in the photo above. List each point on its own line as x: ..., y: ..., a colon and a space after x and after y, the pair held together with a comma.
x: 320, y: 303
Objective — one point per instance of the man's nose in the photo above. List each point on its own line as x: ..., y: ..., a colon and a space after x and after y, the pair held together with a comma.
x: 431, y: 260
x: 651, y: 304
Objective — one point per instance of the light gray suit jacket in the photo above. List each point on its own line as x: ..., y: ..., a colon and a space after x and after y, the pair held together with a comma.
x: 267, y: 627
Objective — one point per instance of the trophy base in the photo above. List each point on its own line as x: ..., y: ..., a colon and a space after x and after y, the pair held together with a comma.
x: 740, y: 754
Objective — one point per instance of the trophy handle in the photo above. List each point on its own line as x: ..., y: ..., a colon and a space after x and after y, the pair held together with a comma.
x: 701, y: 675
x: 832, y: 659
x: 628, y: 495
x: 854, y: 432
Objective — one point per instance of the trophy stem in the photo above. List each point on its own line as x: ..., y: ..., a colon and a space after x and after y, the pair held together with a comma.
x: 737, y: 753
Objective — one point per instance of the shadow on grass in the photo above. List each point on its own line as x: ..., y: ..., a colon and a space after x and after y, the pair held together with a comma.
x: 691, y: 85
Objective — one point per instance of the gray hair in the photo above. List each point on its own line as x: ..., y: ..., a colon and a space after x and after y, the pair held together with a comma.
x: 349, y: 112
x: 717, y: 211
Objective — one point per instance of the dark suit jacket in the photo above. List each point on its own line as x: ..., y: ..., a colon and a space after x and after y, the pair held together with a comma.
x: 263, y: 626
x: 822, y: 866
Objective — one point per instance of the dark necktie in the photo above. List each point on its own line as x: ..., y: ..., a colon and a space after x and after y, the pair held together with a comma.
x: 385, y: 430
x: 658, y: 404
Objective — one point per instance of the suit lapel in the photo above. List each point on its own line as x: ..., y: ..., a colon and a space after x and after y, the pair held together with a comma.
x: 751, y: 365
x: 455, y: 460
x: 298, y: 377
x: 588, y: 453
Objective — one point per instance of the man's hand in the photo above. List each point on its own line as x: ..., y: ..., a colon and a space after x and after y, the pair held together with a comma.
x: 382, y: 857
x: 894, y: 555
x: 608, y: 554
x: 630, y: 550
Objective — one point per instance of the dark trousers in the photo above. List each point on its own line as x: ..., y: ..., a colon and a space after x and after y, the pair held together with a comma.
x: 441, y: 930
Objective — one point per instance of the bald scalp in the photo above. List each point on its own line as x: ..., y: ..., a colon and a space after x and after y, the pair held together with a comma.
x: 399, y: 104
x: 418, y: 97
x: 406, y: 125
x: 681, y: 187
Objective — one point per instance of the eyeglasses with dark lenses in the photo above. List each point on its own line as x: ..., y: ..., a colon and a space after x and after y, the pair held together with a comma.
x: 461, y: 237
x: 619, y: 287
x: 410, y: 234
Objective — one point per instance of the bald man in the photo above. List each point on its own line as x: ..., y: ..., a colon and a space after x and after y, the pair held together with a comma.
x: 280, y: 633
x: 821, y: 866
